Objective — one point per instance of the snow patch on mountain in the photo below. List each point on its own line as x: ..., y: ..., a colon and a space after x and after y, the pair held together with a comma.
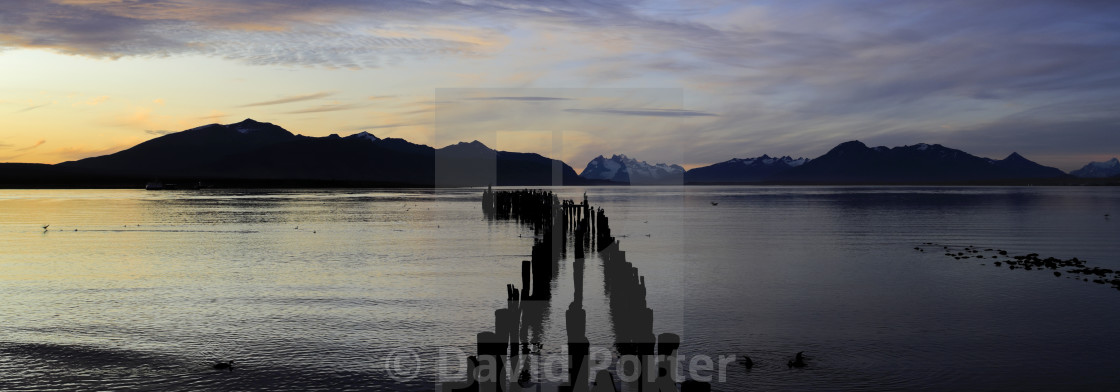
x: 621, y: 168
x: 1109, y: 168
x: 766, y: 160
x: 363, y: 135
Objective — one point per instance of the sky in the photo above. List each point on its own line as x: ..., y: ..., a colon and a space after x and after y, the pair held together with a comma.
x: 691, y: 83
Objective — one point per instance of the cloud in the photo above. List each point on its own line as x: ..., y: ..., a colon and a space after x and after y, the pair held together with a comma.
x: 160, y: 132
x: 33, y: 146
x: 30, y: 108
x: 290, y: 99
x: 80, y: 152
x: 93, y: 101
x: 325, y: 108
x: 646, y: 112
x: 783, y: 77
x: 214, y: 116
x: 334, y: 34
x: 394, y: 125
x: 522, y: 99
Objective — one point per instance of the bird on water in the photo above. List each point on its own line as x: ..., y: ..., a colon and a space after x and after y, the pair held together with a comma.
x: 228, y: 365
x: 798, y: 361
x: 746, y: 361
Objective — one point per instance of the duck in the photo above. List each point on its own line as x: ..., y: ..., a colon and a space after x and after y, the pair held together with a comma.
x: 798, y: 361
x: 524, y: 378
x: 715, y: 203
x: 746, y: 361
x: 228, y: 365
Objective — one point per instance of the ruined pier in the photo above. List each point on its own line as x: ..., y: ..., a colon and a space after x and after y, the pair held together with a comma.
x: 500, y: 364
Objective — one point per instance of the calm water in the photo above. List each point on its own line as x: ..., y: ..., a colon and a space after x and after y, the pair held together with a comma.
x: 315, y: 290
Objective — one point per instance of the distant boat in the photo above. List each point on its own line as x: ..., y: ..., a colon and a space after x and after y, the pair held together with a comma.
x: 159, y: 186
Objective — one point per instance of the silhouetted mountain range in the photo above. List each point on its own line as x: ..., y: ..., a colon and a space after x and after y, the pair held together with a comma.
x: 746, y: 170
x: 263, y: 153
x: 251, y: 153
x: 855, y: 162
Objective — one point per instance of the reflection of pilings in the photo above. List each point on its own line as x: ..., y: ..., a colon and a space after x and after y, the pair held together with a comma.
x: 626, y: 291
x: 488, y: 202
x: 577, y: 278
x: 542, y: 269
x: 667, y: 345
x: 469, y: 385
x: 491, y: 359
x: 632, y: 318
x: 695, y: 386
x: 578, y: 345
x: 526, y: 273
x: 554, y: 223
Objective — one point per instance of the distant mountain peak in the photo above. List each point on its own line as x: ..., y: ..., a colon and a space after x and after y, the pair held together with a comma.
x: 621, y: 168
x: 473, y: 144
x: 768, y: 160
x: 744, y: 170
x: 1014, y: 157
x: 1109, y: 168
x: 363, y: 135
x: 473, y: 148
x: 854, y: 145
x: 203, y: 126
x: 925, y: 147
x: 249, y: 125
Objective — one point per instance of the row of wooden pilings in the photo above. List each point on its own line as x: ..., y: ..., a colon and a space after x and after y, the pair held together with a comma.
x: 554, y: 223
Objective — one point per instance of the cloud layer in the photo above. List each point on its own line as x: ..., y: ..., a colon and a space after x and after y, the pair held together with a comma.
x: 290, y: 99
x: 1036, y: 76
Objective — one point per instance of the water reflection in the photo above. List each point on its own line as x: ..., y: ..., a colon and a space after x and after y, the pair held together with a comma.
x: 154, y: 288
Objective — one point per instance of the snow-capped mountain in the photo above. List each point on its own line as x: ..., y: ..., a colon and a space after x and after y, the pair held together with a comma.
x: 1109, y: 168
x: 743, y: 170
x: 363, y: 135
x: 623, y: 169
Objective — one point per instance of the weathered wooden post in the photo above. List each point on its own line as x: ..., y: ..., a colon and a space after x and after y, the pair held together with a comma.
x: 526, y: 272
